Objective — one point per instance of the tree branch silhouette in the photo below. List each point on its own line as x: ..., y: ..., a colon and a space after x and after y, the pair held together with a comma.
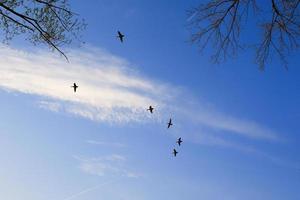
x: 219, y: 23
x: 50, y: 22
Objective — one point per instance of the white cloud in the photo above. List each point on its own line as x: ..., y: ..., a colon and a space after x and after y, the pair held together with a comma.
x: 110, y: 144
x: 111, y: 165
x: 87, y: 190
x: 53, y: 106
x: 217, y: 122
x: 107, y: 91
x: 110, y: 91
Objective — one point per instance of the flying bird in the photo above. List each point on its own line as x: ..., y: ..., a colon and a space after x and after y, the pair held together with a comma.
x: 170, y: 123
x: 120, y: 36
x: 175, y: 152
x: 179, y: 141
x: 75, y: 87
x: 150, y: 109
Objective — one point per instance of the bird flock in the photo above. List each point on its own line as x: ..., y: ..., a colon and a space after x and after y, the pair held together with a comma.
x: 150, y: 109
x: 169, y: 124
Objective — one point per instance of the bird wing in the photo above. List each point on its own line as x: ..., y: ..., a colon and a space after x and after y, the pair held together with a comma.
x: 175, y: 152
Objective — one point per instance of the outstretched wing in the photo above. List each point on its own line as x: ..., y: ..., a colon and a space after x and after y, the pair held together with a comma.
x: 121, y: 36
x: 170, y: 123
x: 175, y: 152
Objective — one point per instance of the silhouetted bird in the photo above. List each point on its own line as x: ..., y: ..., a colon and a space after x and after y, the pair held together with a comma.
x: 75, y: 87
x: 150, y: 109
x: 120, y: 36
x: 175, y: 152
x: 179, y: 141
x: 170, y: 123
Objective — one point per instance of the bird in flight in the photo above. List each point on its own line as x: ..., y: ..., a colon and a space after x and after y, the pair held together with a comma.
x: 150, y: 109
x: 75, y: 87
x: 179, y: 141
x: 175, y: 152
x: 120, y: 36
x: 170, y: 123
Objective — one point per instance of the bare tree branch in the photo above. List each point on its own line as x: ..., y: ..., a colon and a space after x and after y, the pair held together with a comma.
x: 16, y: 22
x: 219, y: 22
x: 53, y: 6
x: 49, y: 22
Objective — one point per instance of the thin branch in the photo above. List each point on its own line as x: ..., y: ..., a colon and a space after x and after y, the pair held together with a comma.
x: 54, y: 6
x: 36, y: 26
x: 16, y: 22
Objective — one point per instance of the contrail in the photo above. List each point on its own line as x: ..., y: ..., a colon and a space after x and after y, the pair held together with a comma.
x: 86, y: 191
x: 192, y: 16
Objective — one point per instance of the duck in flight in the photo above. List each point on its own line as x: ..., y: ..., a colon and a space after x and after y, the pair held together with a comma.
x: 170, y: 123
x: 75, y: 87
x: 120, y: 36
x: 150, y: 109
x: 179, y: 141
x: 175, y: 152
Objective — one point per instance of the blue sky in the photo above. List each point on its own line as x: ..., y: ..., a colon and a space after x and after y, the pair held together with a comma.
x: 239, y: 125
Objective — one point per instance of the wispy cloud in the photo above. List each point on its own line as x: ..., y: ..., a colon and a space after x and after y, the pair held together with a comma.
x: 110, y: 144
x: 108, y: 89
x: 53, y: 106
x: 87, y: 190
x: 111, y: 165
x: 211, y: 120
x: 111, y: 91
